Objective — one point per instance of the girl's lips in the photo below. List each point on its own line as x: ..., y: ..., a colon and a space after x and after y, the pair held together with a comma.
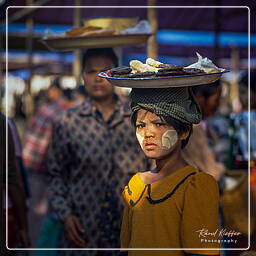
x: 150, y: 145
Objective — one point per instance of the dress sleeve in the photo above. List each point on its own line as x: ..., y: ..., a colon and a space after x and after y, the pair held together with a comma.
x: 58, y: 167
x: 199, y: 227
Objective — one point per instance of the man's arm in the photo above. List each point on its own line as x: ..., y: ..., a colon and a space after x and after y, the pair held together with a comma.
x: 59, y: 164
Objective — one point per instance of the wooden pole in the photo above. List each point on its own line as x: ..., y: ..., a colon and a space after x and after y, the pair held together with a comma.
x: 217, y: 18
x: 29, y: 105
x: 152, y: 47
x: 234, y: 86
x: 77, y: 53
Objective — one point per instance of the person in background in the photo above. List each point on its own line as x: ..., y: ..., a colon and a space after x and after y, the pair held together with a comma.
x: 38, y: 137
x: 80, y: 95
x: 55, y: 91
x: 69, y: 98
x: 18, y: 152
x: 239, y: 154
x: 94, y: 152
x: 35, y: 154
x: 198, y: 151
x: 16, y: 193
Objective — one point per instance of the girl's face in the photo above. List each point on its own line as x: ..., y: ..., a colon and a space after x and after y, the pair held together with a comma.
x: 157, y: 138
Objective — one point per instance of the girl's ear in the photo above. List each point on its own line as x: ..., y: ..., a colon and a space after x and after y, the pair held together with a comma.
x: 184, y: 135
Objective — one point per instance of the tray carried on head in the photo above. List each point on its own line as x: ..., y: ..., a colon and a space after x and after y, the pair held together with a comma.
x: 164, y: 81
x: 99, y: 41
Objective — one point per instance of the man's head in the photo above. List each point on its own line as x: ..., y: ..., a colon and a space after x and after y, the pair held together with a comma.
x: 95, y: 61
x: 208, y: 97
x: 54, y: 91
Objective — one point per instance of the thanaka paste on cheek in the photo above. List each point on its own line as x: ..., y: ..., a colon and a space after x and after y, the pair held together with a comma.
x: 169, y: 139
x: 140, y: 139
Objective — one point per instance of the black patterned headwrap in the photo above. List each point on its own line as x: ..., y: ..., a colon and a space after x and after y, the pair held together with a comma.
x: 178, y: 103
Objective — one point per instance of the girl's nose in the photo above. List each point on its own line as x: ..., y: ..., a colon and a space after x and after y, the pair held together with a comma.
x: 149, y: 134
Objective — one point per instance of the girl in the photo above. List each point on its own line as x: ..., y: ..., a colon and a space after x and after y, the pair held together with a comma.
x: 174, y: 205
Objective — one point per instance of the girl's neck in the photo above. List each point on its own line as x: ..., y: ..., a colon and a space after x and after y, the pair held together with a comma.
x: 170, y: 163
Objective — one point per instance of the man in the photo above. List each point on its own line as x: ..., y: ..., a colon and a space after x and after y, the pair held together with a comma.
x: 94, y: 153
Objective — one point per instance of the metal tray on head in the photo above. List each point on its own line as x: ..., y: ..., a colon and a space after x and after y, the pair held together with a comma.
x: 81, y: 42
x: 164, y: 81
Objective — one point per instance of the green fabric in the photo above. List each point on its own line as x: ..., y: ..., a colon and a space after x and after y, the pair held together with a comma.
x: 178, y: 103
x: 49, y: 237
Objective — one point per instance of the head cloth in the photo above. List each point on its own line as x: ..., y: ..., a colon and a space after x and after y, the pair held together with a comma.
x: 178, y: 103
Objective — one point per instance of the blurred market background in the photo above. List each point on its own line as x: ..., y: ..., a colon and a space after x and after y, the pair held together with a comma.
x: 175, y: 34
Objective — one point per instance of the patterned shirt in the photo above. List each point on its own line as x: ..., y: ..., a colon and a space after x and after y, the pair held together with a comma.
x: 90, y: 163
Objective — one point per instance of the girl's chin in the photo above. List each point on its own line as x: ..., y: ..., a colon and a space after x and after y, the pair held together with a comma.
x: 155, y: 155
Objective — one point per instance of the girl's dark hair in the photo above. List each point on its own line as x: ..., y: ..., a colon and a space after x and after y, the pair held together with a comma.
x: 176, y: 124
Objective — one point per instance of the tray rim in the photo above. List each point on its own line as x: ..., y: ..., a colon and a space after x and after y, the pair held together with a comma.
x: 92, y: 37
x: 104, y: 75
x: 79, y: 42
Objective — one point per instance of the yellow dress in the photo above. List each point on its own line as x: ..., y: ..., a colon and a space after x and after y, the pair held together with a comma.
x: 178, y: 211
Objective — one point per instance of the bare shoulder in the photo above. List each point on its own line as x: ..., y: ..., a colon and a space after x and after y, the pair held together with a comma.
x: 143, y: 175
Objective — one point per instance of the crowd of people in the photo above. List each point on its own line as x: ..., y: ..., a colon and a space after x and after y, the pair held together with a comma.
x: 67, y: 173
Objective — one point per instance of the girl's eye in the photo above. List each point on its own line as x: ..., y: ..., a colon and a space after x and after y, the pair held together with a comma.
x: 161, y: 124
x: 139, y: 126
